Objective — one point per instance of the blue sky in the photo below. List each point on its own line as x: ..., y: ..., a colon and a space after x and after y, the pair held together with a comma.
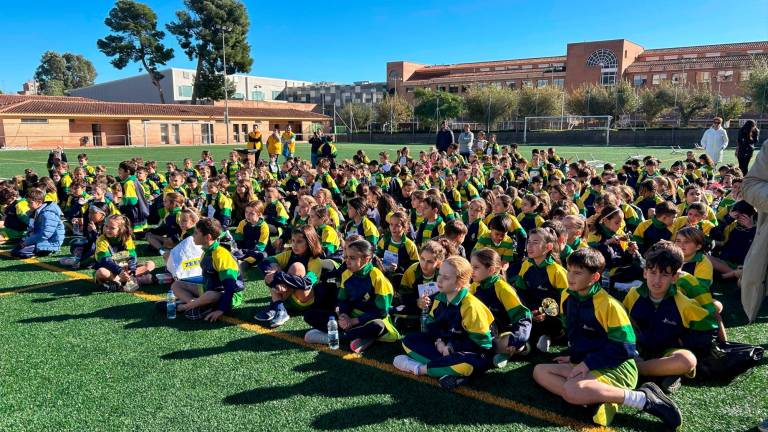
x: 346, y: 41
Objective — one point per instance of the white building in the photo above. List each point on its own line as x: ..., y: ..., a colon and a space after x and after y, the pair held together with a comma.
x: 177, y: 88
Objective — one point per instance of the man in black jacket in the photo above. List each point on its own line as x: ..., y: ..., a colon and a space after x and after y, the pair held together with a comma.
x: 315, y: 142
x: 444, y: 138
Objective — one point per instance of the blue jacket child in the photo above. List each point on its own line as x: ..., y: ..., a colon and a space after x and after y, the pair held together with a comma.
x: 45, y: 234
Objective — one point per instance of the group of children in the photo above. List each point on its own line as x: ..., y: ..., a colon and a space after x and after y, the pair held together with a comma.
x: 467, y: 262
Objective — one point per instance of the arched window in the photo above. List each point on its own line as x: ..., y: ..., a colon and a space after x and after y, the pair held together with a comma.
x: 606, y: 60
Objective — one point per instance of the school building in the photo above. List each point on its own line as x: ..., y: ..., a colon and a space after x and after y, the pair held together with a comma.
x: 43, y: 122
x: 722, y: 67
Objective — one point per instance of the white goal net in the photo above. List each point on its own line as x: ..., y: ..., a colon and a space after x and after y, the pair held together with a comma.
x: 568, y: 123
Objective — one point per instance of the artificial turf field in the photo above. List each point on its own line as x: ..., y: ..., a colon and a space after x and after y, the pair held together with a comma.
x: 78, y: 359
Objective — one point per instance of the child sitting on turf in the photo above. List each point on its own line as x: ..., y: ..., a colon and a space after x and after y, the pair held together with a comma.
x: 223, y: 284
x: 458, y: 342
x: 432, y: 225
x: 359, y: 222
x: 115, y: 256
x: 291, y: 276
x: 497, y: 239
x: 657, y: 227
x: 252, y: 235
x: 168, y: 233
x: 477, y: 226
x: 733, y: 239
x: 540, y: 277
x: 320, y: 220
x: 511, y: 319
x: 623, y: 262
x: 45, y: 232
x: 364, y: 300
x: 670, y: 326
x: 600, y: 370
x: 82, y: 249
x: 455, y: 233
x: 219, y: 205
x: 15, y: 215
x: 395, y: 249
x: 419, y: 280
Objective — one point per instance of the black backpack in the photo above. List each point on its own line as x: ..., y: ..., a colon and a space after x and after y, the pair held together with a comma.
x: 728, y: 359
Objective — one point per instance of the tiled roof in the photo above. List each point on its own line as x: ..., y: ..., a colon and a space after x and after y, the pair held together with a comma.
x: 695, y: 63
x: 13, y: 99
x: 137, y: 110
x: 708, y: 48
x: 496, y: 63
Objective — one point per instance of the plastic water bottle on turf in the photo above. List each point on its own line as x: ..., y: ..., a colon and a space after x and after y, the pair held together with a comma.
x: 423, y: 319
x: 333, y: 333
x: 171, y: 305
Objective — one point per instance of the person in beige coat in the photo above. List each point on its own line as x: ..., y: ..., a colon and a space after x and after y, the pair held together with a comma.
x: 753, y: 279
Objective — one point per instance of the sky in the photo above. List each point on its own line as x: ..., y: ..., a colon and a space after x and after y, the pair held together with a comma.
x: 346, y: 41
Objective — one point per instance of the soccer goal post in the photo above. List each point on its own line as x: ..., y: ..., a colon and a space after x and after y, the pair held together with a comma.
x: 568, y: 123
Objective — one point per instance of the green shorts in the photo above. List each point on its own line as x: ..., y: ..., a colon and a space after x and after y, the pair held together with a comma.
x: 623, y: 376
x: 237, y: 296
x: 9, y: 234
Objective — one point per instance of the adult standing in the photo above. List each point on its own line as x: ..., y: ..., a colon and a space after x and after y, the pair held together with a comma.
x: 288, y: 139
x: 315, y: 142
x: 444, y: 138
x: 754, y: 189
x: 255, y: 142
x: 466, y: 139
x: 715, y: 140
x: 745, y: 146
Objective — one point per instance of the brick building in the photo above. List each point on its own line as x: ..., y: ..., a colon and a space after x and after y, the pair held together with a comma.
x: 723, y: 67
x: 45, y: 122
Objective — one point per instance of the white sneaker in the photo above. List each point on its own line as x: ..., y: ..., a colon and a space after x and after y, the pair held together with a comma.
x: 406, y: 364
x: 544, y: 343
x: 316, y: 336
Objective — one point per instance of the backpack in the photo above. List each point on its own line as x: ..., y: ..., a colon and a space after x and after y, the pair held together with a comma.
x: 728, y: 359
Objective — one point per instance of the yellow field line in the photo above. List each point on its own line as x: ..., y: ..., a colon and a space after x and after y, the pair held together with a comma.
x: 537, y: 413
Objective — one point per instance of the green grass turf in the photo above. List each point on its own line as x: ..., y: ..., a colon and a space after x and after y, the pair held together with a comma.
x: 78, y: 359
x: 13, y: 162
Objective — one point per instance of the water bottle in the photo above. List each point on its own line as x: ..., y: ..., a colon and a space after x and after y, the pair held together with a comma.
x: 171, y: 305
x: 423, y: 319
x: 333, y: 333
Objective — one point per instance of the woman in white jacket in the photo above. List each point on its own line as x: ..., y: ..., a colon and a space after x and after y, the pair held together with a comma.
x: 715, y: 140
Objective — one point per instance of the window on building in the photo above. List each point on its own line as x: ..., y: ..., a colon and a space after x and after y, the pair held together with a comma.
x: 409, y: 89
x: 640, y: 80
x: 485, y: 69
x: 306, y: 98
x: 678, y: 78
x: 164, y: 134
x: 658, y: 78
x: 34, y: 121
x: 185, y: 75
x: 277, y: 95
x: 511, y: 84
x: 257, y: 95
x: 464, y: 89
x: 527, y: 67
x: 238, y: 95
x: 558, y: 82
x: 542, y: 83
x: 176, y: 137
x: 744, y: 75
x: 608, y: 77
x: 705, y: 77
x: 527, y: 83
x: 606, y: 60
x: 453, y: 89
x: 441, y: 88
x: 185, y: 91
x: 725, y: 76
x: 236, y: 132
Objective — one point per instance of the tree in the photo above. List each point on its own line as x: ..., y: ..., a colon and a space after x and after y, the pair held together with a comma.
x: 624, y: 99
x: 589, y: 99
x: 135, y: 38
x: 58, y: 73
x: 489, y: 104
x: 393, y: 110
x: 691, y: 100
x: 728, y: 108
x: 434, y: 106
x: 356, y: 115
x: 756, y: 86
x: 541, y: 101
x: 198, y: 30
x: 653, y: 102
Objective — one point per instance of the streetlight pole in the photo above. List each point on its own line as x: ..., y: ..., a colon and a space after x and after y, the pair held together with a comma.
x: 223, y: 30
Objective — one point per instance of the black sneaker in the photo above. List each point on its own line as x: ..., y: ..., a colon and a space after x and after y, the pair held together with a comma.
x: 659, y: 405
x: 195, y: 314
x: 671, y: 384
x: 112, y: 286
x: 450, y: 382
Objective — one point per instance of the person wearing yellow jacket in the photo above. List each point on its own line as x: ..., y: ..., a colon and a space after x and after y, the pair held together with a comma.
x: 274, y: 145
x: 288, y: 139
x: 255, y: 141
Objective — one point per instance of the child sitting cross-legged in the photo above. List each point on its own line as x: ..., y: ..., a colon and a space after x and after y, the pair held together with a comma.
x: 252, y: 235
x: 600, y: 370
x: 670, y: 327
x: 511, y: 319
x: 168, y: 233
x: 222, y: 281
x: 115, y: 256
x: 45, y: 233
x: 458, y: 342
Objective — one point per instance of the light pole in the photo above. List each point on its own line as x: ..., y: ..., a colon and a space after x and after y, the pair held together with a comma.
x: 223, y: 30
